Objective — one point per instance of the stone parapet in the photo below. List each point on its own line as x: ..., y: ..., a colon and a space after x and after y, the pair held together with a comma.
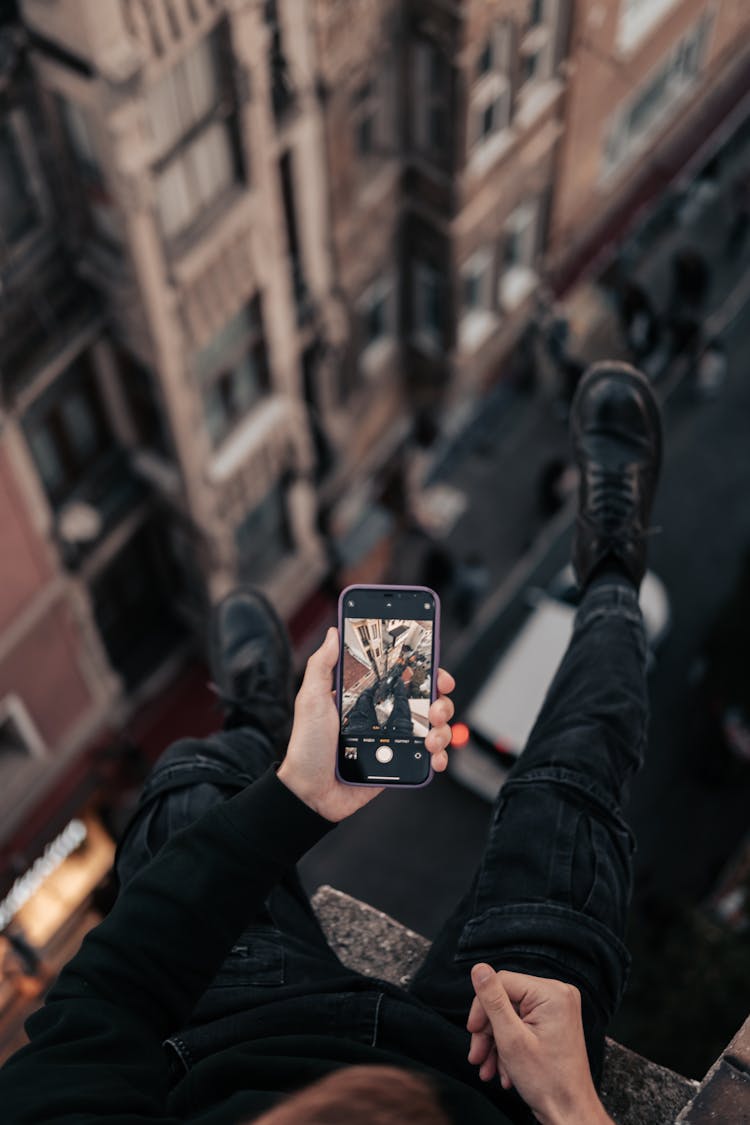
x: 634, y: 1090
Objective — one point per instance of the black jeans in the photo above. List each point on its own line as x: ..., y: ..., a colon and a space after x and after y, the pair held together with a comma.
x: 551, y: 893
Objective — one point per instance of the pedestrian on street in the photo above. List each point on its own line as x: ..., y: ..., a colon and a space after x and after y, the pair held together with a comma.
x: 639, y: 321
x: 210, y: 994
x: 711, y: 369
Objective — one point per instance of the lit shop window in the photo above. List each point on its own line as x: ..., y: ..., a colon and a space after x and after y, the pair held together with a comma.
x: 232, y: 371
x: 189, y: 113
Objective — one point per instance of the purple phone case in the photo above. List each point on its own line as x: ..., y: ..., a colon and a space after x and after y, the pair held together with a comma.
x: 339, y: 667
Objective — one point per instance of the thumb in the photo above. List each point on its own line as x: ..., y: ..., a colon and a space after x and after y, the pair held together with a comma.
x: 495, y: 1001
x: 322, y: 662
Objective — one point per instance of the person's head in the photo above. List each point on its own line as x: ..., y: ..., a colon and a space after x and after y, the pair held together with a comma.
x: 369, y: 1095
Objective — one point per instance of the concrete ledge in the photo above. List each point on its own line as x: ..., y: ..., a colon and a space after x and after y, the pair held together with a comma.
x: 634, y: 1090
x: 724, y: 1094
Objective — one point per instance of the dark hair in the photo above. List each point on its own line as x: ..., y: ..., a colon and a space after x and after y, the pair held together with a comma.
x: 369, y: 1095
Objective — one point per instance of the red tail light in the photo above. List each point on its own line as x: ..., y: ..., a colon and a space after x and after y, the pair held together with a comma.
x: 460, y: 735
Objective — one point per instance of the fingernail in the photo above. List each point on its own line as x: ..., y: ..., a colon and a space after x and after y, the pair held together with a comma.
x: 481, y: 973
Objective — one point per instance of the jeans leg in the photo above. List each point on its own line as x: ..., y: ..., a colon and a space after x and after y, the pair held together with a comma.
x: 551, y: 894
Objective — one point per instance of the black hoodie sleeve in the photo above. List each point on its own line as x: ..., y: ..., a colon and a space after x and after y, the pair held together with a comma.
x: 95, y: 1047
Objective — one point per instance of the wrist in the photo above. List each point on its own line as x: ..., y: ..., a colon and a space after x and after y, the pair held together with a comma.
x: 296, y: 785
x: 590, y: 1112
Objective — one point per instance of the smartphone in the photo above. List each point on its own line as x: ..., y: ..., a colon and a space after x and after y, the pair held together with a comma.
x: 386, y: 681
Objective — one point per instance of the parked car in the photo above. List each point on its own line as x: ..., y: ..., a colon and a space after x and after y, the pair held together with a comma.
x: 495, y: 726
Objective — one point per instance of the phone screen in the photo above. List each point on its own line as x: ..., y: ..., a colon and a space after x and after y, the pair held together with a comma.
x: 387, y: 670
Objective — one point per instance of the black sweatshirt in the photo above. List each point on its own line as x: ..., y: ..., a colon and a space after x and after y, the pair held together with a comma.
x: 95, y: 1052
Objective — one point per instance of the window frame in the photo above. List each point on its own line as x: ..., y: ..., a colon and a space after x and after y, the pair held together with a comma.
x: 491, y: 92
x: 539, y: 39
x: 432, y: 93
x: 251, y: 345
x: 177, y: 155
x: 13, y: 710
x: 424, y: 334
x: 276, y: 491
x: 47, y: 417
x: 518, y: 278
x: 19, y: 131
x: 620, y: 143
x: 381, y: 291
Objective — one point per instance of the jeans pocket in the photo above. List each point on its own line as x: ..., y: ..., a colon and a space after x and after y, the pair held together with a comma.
x: 257, y: 960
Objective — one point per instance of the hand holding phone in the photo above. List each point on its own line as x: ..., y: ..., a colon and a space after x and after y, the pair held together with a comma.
x: 386, y: 684
x: 309, y: 766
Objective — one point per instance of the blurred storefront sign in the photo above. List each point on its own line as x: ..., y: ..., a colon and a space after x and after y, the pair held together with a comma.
x: 59, y: 882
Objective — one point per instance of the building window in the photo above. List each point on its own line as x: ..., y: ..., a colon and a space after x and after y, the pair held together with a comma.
x: 19, y: 212
x: 490, y: 106
x: 376, y: 309
x: 476, y: 282
x: 369, y: 110
x: 19, y: 737
x: 519, y: 249
x: 79, y: 131
x: 377, y: 314
x: 142, y: 393
x: 647, y: 111
x: 537, y: 48
x: 232, y: 372
x: 190, y: 116
x: 428, y: 302
x: 432, y: 94
x: 637, y: 19
x: 264, y: 537
x: 478, y: 307
x: 282, y: 87
x: 68, y: 433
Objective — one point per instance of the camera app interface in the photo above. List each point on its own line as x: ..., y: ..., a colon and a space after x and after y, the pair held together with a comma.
x: 387, y: 683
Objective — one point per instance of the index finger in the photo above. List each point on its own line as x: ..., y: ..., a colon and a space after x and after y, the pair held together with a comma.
x: 477, y: 1020
x: 445, y: 682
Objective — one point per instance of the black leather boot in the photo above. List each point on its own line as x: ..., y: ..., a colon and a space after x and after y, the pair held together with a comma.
x: 615, y: 428
x: 251, y: 664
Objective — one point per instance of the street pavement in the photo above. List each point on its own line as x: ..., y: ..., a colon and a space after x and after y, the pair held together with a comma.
x: 413, y: 854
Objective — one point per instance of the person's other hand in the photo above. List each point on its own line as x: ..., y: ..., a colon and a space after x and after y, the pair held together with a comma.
x: 528, y: 1031
x: 309, y: 768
